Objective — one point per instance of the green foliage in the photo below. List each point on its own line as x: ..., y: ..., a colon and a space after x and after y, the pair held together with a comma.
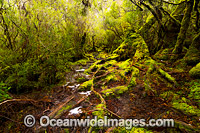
x: 132, y: 130
x: 99, y: 111
x: 4, y: 92
x: 195, y: 92
x: 186, y: 108
x: 38, y: 41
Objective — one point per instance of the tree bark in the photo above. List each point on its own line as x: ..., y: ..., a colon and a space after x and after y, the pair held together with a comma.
x: 184, y: 26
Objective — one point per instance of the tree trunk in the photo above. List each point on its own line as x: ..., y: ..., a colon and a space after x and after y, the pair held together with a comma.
x: 184, y: 26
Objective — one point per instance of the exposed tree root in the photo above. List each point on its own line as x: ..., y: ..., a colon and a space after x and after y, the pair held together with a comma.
x: 21, y: 100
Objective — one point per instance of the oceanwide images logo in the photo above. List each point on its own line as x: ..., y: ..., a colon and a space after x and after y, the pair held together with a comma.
x: 45, y: 121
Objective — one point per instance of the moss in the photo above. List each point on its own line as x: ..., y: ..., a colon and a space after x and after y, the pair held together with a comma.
x: 86, y: 84
x: 131, y: 129
x: 127, y: 48
x: 135, y: 74
x: 81, y: 79
x: 110, y: 63
x: 93, y: 67
x: 192, y: 56
x: 99, y: 111
x: 168, y: 94
x: 102, y: 55
x: 163, y: 54
x: 82, y: 62
x: 124, y: 64
x: 142, y: 51
x: 89, y: 56
x: 115, y: 90
x: 167, y: 76
x: 113, y: 57
x: 132, y: 82
x: 181, y: 65
x: 111, y: 77
x: 195, y: 92
x: 195, y: 71
x: 63, y: 109
x: 181, y: 105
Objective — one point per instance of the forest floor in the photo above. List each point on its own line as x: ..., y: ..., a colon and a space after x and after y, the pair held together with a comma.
x: 92, y: 88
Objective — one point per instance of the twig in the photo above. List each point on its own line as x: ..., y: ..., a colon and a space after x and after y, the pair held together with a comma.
x: 97, y: 93
x: 105, y: 73
x: 172, y: 2
x: 18, y: 100
x: 138, y: 67
x: 188, y: 126
x: 112, y: 112
x: 56, y: 110
x: 110, y: 130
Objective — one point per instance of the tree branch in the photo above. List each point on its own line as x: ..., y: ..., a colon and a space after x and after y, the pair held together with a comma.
x: 136, y: 5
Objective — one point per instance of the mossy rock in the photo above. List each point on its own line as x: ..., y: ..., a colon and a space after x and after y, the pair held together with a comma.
x: 192, y: 57
x: 195, y: 71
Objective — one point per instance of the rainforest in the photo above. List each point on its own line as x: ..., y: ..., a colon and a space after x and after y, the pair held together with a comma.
x: 78, y: 59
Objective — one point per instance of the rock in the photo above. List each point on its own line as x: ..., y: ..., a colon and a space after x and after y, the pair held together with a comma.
x: 195, y: 71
